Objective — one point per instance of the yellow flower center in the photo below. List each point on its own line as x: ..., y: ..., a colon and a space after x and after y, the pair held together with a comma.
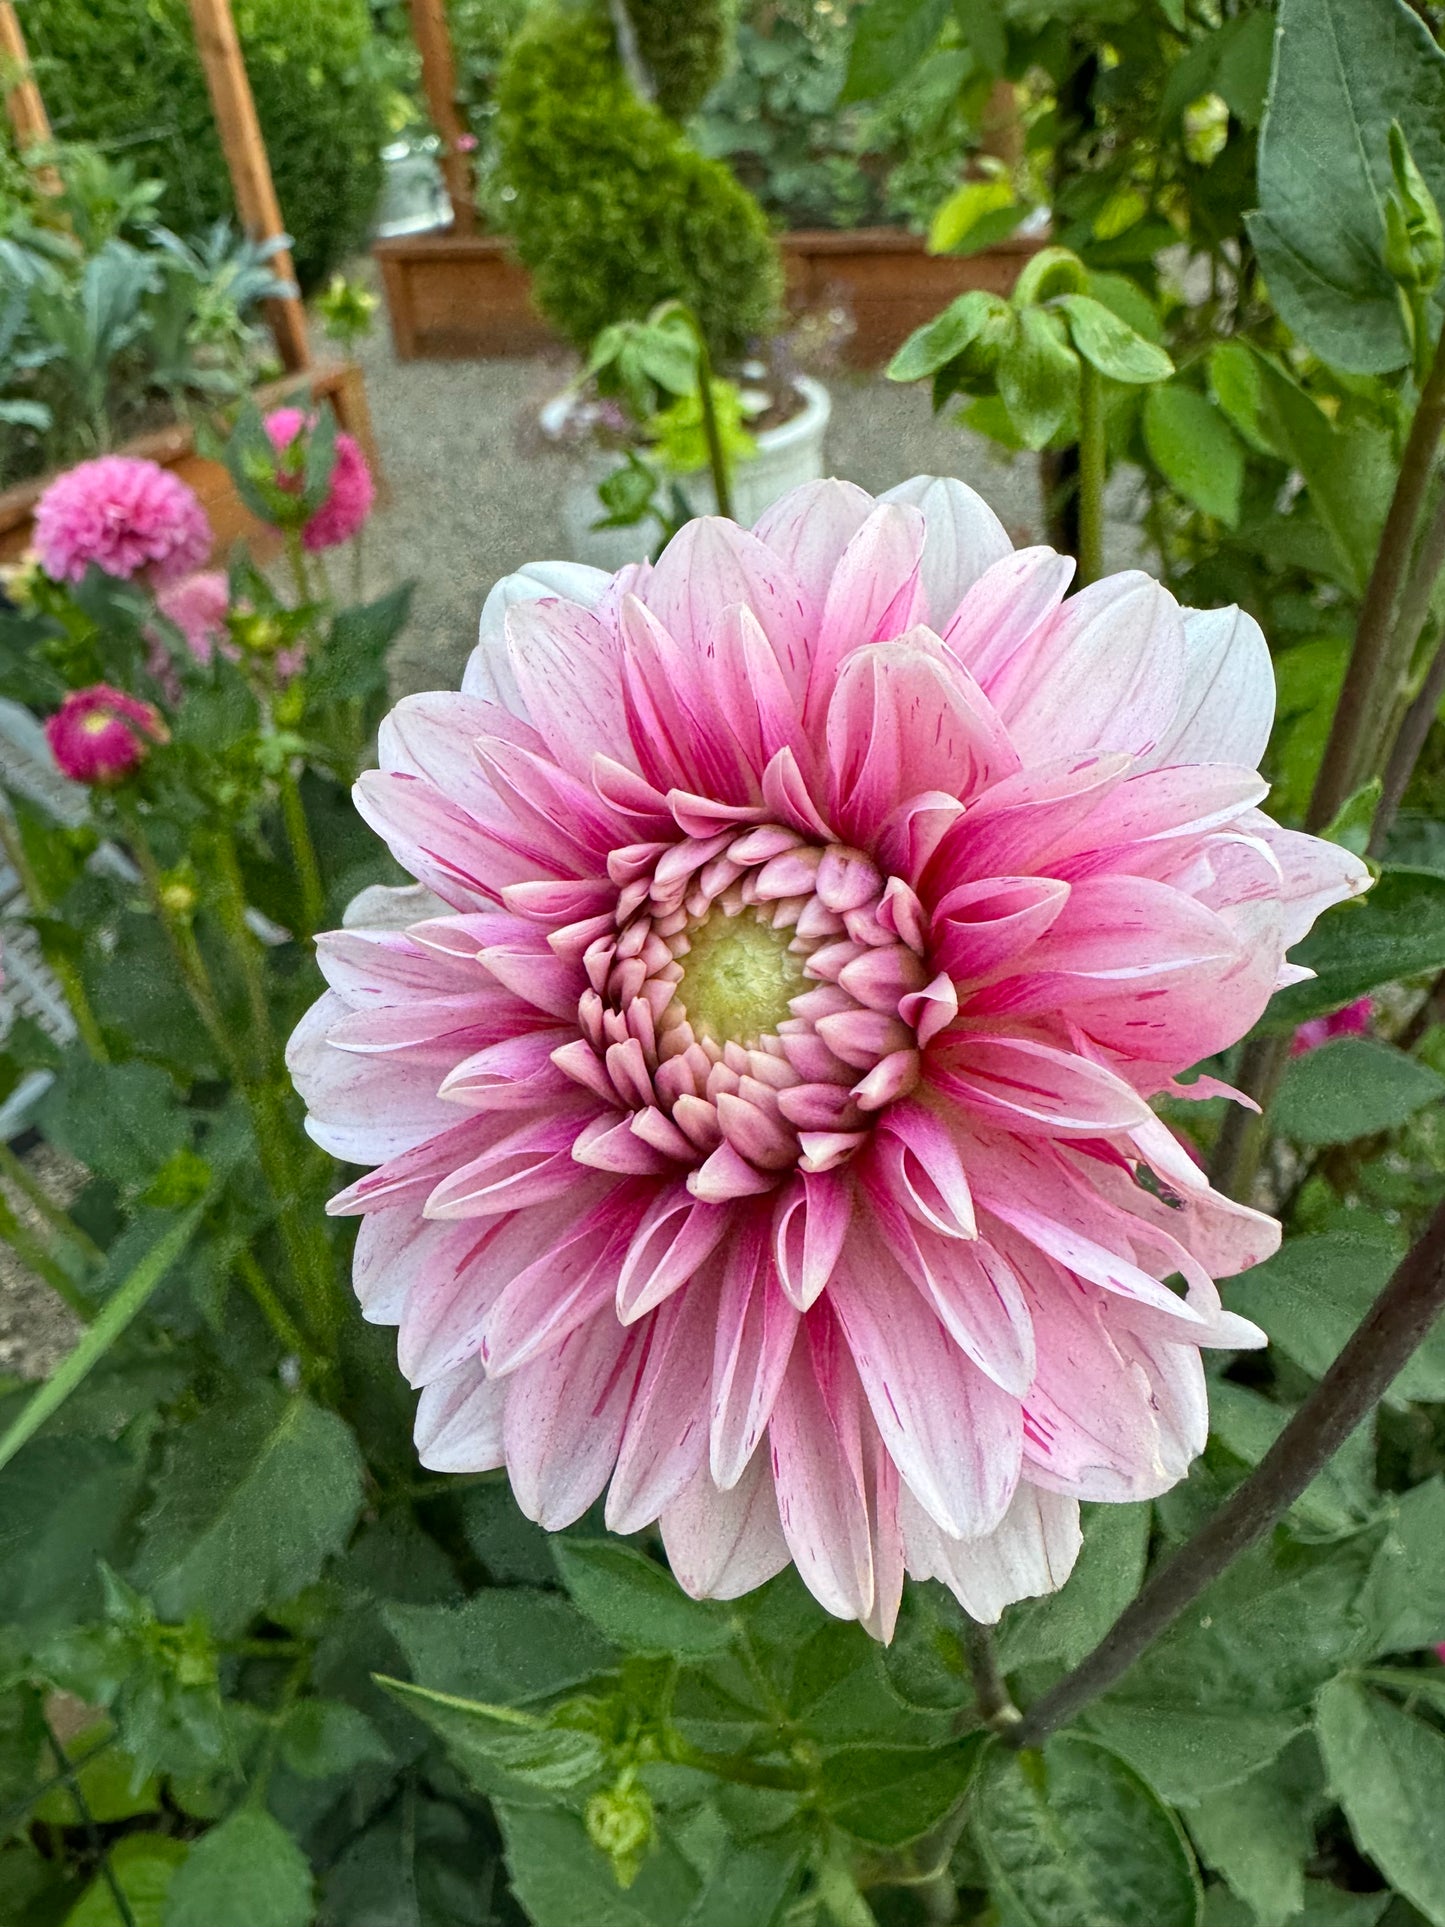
x: 738, y: 978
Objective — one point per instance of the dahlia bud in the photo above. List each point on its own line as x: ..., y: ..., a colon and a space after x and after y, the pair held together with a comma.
x: 178, y: 898
x: 100, y: 735
x: 1414, y: 242
x: 619, y: 1823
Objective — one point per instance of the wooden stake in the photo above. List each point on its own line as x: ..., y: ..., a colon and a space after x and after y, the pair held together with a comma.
x: 439, y: 77
x: 22, y: 97
x: 245, y: 151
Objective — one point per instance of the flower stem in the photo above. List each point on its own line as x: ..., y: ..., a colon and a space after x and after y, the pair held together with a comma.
x: 1392, y: 1329
x: 303, y: 852
x: 990, y: 1689
x: 1092, y: 463
x: 717, y: 460
x: 62, y: 966
x: 231, y: 905
x: 296, y: 561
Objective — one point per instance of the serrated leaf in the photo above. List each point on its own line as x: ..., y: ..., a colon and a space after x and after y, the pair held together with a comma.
x: 1195, y: 450
x: 323, y: 1738
x: 505, y: 1644
x: 889, y: 1795
x: 1110, y: 344
x: 352, y: 662
x: 247, y: 1872
x: 636, y: 1603
x: 1388, y: 1772
x: 1397, y: 931
x: 563, y: 1881
x: 1351, y: 1087
x: 252, y: 1499
x: 1073, y: 1837
x: 1403, y: 1602
x: 1340, y: 1499
x: 485, y: 1740
x: 64, y: 1503
x: 1260, y: 1833
x: 750, y: 1886
x: 121, y: 1121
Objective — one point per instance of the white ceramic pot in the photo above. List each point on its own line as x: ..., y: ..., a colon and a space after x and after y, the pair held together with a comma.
x: 787, y: 455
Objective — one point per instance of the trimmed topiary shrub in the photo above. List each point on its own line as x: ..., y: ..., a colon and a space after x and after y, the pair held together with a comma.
x: 612, y: 210
x: 684, y: 45
x: 124, y: 74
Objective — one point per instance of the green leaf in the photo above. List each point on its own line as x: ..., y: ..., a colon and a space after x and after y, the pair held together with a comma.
x: 420, y: 1863
x: 750, y: 1886
x: 1351, y: 1087
x: 1238, y: 387
x: 1403, y: 1601
x: 953, y: 226
x: 1341, y: 1499
x: 1195, y: 450
x: 322, y: 1738
x: 252, y: 1499
x: 1113, y: 347
x: 889, y: 1795
x: 1069, y: 1623
x: 1388, y: 1771
x: 937, y: 342
x: 562, y: 1880
x: 64, y: 1503
x: 1038, y: 377
x: 1325, y: 1906
x: 145, y: 1866
x: 1073, y: 1837
x: 1315, y: 1290
x: 1397, y: 931
x: 981, y: 22
x: 1260, y: 1833
x: 121, y: 1121
x: 890, y: 39
x: 1344, y: 69
x: 487, y: 1740
x: 247, y: 1872
x: 507, y: 1645
x: 638, y: 1604
x: 353, y: 660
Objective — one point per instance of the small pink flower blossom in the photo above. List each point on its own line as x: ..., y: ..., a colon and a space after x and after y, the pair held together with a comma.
x: 760, y: 1117
x: 128, y: 517
x: 99, y: 735
x: 198, y: 605
x: 352, y: 492
x: 1352, y: 1021
x: 466, y: 143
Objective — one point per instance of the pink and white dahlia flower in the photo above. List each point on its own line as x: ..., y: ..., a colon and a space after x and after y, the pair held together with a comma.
x: 128, y: 516
x: 100, y: 735
x: 760, y: 1113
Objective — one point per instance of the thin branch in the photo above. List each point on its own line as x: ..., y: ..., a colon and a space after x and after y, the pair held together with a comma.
x: 1391, y: 1330
x: 123, y: 1907
x: 1405, y: 752
x: 990, y: 1689
x: 1427, y: 1013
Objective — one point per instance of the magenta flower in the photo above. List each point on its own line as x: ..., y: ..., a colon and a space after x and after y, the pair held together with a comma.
x: 352, y: 491
x: 198, y: 605
x: 100, y: 734
x: 128, y: 517
x: 760, y: 1122
x: 1352, y: 1021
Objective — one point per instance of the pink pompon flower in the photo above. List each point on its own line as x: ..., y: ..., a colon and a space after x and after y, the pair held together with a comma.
x: 1352, y: 1021
x: 352, y: 492
x: 760, y: 1118
x: 100, y: 734
x: 198, y: 605
x: 128, y: 517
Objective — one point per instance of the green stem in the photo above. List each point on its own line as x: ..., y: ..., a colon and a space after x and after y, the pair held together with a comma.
x: 296, y: 561
x: 62, y: 966
x: 1405, y: 751
x: 303, y: 852
x: 1244, y: 1134
x: 59, y: 1220
x: 246, y: 948
x: 717, y: 460
x: 990, y: 1689
x: 87, y: 1819
x: 283, y: 1326
x: 38, y: 1793
x: 35, y: 1257
x: 1092, y: 465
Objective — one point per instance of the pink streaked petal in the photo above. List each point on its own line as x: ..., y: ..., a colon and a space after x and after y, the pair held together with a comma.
x: 452, y: 1293
x: 560, y: 903
x: 725, y: 1175
x: 565, y: 1417
x: 1154, y: 806
x: 459, y: 1422
x: 556, y: 814
x: 721, y: 1545
x: 789, y: 799
x: 753, y: 1338
x: 376, y: 969
x: 1031, y: 1552
x: 530, y: 1165
x: 393, y: 1248
x: 1105, y: 673
x: 998, y: 616
x: 609, y: 1143
x: 433, y: 736
x: 953, y: 1434
x: 751, y: 689
x: 364, y: 1109
x: 931, y: 1009
x: 664, y: 1441
x: 875, y: 593
x: 1013, y: 828
x: 518, y: 1073
x: 488, y: 672
x: 680, y: 738
x: 422, y: 1022
x: 1316, y: 873
x: 1226, y: 704
x: 963, y: 539
x: 979, y: 928
x: 410, y: 1176
x: 524, y: 961
x: 633, y: 797
x: 711, y: 565
x: 1032, y: 1087
x: 911, y: 835
x: 810, y: 1226
x: 674, y: 1237
x: 565, y: 663
x: 809, y: 528
x: 438, y: 842
x: 914, y: 1155
x: 571, y: 1281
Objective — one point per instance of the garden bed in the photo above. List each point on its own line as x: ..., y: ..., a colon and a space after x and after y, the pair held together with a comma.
x: 456, y: 296
x: 174, y: 447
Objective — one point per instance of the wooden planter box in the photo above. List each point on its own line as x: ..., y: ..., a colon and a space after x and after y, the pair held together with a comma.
x: 174, y: 448
x: 464, y: 296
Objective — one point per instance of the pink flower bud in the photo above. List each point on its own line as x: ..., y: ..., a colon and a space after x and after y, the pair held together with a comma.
x: 1352, y: 1021
x: 351, y: 494
x: 100, y: 734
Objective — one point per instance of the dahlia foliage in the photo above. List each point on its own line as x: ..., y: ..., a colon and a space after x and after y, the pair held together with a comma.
x: 759, y: 1103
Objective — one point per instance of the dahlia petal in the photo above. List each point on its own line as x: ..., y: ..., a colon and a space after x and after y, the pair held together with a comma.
x: 565, y: 665
x: 530, y: 1165
x: 408, y: 1177
x: 1013, y: 828
x: 979, y: 927
x: 570, y: 1281
x: 433, y: 736
x: 450, y: 1296
x: 721, y: 1545
x: 711, y: 565
x: 392, y: 1249
x: 788, y: 798
x: 678, y: 735
x: 875, y: 593
x: 551, y: 813
x: 1032, y: 1087
x: 609, y: 1143
x: 1226, y: 706
x: 1104, y: 673
x: 810, y: 1226
x: 918, y: 1161
x: 489, y: 673
x: 459, y: 1422
x: 381, y: 968
x: 726, y: 1174
x: 564, y: 1420
x: 1316, y: 873
x: 931, y: 1009
x: 963, y: 538
x: 978, y: 1300
x: 674, y: 1238
x: 664, y: 1441
x: 755, y: 1331
x: 1031, y: 1551
x: 952, y: 1433
x: 389, y: 906
x: 436, y: 840
x: 998, y: 615
x: 1160, y: 804
x: 521, y: 959
x: 809, y: 528
x: 362, y: 1109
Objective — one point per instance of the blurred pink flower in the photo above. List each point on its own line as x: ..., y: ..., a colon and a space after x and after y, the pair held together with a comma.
x: 198, y: 605
x: 1352, y: 1021
x: 352, y: 492
x: 100, y: 734
x: 761, y: 1119
x: 128, y: 517
x: 466, y: 143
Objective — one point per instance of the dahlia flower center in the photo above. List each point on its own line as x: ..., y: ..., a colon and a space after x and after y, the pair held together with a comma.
x: 752, y: 1010
x: 739, y: 977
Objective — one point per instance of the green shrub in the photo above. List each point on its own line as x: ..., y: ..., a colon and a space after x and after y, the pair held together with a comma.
x: 124, y: 74
x: 684, y: 45
x: 612, y: 210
